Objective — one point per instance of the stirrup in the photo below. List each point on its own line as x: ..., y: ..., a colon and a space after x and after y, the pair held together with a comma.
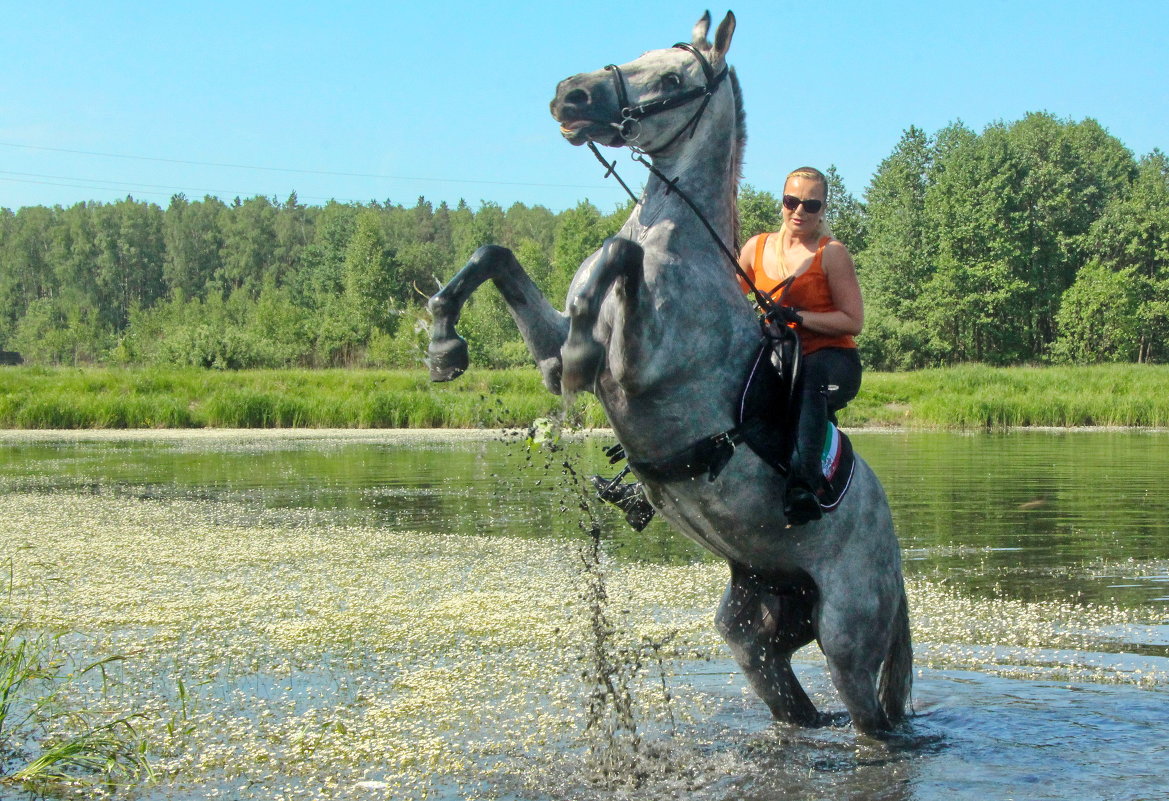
x: 628, y: 497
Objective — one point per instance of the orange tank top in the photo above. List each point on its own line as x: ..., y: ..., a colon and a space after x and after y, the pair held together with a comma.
x: 808, y: 292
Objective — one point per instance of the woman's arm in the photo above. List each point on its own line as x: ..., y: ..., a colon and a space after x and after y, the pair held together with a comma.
x: 849, y: 316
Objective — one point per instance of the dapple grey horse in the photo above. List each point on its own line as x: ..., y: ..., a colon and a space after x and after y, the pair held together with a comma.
x: 658, y: 328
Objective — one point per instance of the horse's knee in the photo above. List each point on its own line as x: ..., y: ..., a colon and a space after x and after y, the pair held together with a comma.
x: 490, y: 254
x: 627, y: 260
x: 442, y: 306
x: 742, y: 618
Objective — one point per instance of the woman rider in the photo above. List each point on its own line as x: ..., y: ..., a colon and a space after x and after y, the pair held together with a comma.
x: 826, y: 296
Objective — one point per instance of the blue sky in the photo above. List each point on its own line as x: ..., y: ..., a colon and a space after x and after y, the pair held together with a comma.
x: 386, y: 100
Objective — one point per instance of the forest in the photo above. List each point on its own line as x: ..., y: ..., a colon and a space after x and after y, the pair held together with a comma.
x: 1038, y: 241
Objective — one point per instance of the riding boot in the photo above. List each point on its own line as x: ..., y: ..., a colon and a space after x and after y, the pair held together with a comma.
x: 628, y: 497
x: 801, y: 503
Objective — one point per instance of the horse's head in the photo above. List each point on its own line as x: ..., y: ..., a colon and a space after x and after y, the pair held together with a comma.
x: 651, y: 103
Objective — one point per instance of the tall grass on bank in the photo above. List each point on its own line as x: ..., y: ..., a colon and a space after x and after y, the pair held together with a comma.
x: 976, y: 396
x: 972, y: 396
x: 36, y: 397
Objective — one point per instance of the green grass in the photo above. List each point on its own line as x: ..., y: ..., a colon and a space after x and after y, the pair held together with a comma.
x: 48, y: 744
x: 36, y: 398
x: 972, y: 396
x: 976, y: 396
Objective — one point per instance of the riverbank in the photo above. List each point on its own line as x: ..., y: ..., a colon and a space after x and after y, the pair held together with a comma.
x: 971, y: 396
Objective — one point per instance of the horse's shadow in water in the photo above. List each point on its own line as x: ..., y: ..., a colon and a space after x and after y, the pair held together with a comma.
x: 657, y: 328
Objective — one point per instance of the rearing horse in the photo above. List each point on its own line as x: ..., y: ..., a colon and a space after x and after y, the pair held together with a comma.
x: 657, y: 327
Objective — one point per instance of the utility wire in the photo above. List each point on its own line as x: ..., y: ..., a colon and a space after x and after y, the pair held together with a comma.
x: 295, y: 170
x: 136, y: 190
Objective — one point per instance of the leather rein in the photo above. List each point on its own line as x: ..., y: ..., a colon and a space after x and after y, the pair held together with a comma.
x: 708, y: 455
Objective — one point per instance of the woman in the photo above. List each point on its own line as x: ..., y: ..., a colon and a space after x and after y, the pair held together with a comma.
x: 826, y: 298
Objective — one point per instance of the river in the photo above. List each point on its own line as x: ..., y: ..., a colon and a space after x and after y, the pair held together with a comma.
x: 408, y: 614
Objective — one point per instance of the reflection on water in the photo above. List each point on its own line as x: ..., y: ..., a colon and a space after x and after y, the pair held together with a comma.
x: 343, y: 638
x: 1032, y: 515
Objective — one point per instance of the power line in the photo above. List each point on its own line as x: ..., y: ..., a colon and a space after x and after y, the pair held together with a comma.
x: 137, y: 190
x: 299, y: 171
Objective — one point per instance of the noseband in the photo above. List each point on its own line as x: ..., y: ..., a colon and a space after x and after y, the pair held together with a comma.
x: 631, y: 116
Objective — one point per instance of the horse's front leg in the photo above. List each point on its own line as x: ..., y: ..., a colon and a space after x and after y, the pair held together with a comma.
x: 542, y: 327
x: 618, y: 265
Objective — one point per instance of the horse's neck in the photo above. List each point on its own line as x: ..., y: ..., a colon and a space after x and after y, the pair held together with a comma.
x: 708, y: 181
x: 686, y: 268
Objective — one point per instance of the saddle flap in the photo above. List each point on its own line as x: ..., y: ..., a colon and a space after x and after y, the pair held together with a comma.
x: 769, y: 404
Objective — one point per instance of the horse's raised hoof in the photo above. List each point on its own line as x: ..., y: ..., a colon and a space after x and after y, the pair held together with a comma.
x: 448, y: 359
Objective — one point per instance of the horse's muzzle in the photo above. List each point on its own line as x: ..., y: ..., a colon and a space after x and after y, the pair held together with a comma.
x: 586, y: 108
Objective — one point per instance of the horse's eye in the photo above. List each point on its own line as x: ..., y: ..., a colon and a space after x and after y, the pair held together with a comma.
x: 671, y: 81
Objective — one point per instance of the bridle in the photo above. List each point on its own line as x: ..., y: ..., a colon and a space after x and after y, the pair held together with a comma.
x: 629, y: 129
x: 710, y: 454
x: 631, y: 116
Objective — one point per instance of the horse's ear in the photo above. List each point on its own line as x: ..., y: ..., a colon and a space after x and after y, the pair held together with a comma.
x: 701, y: 28
x: 722, y: 37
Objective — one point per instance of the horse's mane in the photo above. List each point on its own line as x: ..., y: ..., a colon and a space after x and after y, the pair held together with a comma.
x: 739, y: 145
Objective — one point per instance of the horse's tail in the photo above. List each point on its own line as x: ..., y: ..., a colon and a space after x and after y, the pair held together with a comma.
x: 897, y: 671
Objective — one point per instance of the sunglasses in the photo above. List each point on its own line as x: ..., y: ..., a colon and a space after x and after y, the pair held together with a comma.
x: 791, y: 203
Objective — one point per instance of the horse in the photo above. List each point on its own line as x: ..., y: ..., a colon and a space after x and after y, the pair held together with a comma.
x: 656, y: 326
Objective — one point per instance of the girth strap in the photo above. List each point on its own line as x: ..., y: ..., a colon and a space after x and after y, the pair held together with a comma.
x: 767, y: 400
x: 708, y: 455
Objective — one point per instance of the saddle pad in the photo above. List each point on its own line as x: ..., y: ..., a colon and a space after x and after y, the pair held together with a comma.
x: 837, y: 462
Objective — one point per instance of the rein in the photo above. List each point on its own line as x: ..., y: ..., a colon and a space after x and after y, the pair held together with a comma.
x: 708, y: 455
x: 632, y: 115
x: 764, y: 301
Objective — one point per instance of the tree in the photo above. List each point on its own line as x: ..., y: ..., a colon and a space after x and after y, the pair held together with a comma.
x: 580, y: 231
x: 193, y: 242
x: 972, y: 289
x: 1099, y: 317
x: 1066, y: 173
x: 368, y: 273
x: 249, y: 244
x: 26, y: 272
x: 894, y: 264
x: 128, y: 260
x: 845, y: 214
x: 759, y: 211
x: 1131, y: 238
x: 322, y: 262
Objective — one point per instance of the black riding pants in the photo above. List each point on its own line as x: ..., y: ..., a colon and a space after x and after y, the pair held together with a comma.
x: 832, y: 377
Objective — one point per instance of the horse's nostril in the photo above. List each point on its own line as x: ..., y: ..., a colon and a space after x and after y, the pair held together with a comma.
x: 577, y: 97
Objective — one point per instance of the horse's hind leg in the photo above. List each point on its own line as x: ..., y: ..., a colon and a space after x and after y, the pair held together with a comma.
x: 541, y: 326
x: 856, y: 626
x: 763, y: 629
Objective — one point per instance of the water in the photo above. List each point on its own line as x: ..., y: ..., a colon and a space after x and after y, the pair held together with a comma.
x: 349, y: 577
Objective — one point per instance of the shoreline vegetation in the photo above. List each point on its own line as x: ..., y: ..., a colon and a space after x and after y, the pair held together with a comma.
x: 962, y: 397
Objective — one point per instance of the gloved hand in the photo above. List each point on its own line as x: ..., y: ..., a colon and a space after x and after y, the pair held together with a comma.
x: 784, y: 315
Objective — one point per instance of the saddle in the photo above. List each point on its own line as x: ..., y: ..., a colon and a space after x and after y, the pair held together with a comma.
x: 766, y: 421
x: 772, y: 394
